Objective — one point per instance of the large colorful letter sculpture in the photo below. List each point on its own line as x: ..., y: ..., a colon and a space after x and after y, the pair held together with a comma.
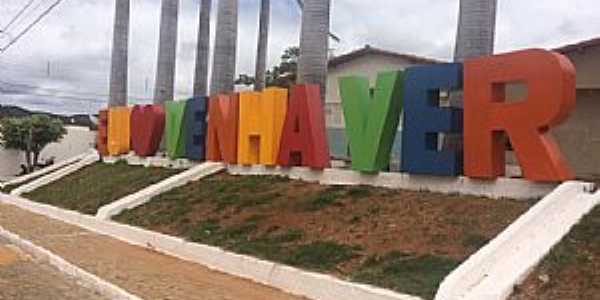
x: 222, y: 135
x: 147, y: 129
x: 550, y: 81
x: 261, y: 123
x: 119, y: 130
x: 424, y: 119
x: 102, y: 137
x: 175, y: 135
x: 371, y: 119
x: 303, y: 141
x: 195, y: 128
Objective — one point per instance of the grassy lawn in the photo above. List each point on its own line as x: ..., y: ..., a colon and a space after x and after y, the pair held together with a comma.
x: 572, y: 269
x: 9, y: 188
x: 97, y: 185
x: 400, y: 240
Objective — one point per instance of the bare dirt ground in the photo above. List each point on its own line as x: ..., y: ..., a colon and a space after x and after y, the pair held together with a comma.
x: 147, y: 274
x: 22, y: 278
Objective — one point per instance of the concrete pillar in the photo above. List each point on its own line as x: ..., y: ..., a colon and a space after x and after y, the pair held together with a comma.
x: 119, y: 56
x: 167, y: 52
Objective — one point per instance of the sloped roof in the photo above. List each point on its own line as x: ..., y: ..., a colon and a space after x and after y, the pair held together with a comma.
x: 578, y: 46
x: 338, y: 60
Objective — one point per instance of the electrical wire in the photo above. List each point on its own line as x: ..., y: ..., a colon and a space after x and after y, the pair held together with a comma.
x: 26, y: 15
x: 30, y: 26
x: 17, y: 16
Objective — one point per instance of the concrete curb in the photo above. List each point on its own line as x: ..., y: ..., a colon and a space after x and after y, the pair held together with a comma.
x: 83, y: 277
x: 506, y: 261
x: 144, y: 196
x: 287, y: 279
x: 44, y: 171
x: 157, y: 161
x: 501, y: 188
x: 47, y: 179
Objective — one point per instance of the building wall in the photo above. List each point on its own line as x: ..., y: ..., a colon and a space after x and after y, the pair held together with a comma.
x: 9, y: 163
x: 587, y: 63
x: 579, y: 136
x: 368, y: 66
x: 76, y: 141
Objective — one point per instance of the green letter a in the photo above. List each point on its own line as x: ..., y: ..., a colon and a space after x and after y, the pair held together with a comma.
x: 371, y: 118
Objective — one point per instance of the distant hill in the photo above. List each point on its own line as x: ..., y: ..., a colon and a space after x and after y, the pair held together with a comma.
x: 7, y: 111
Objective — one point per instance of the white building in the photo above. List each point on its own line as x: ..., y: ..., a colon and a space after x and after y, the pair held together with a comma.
x: 578, y: 137
x: 77, y: 141
x: 367, y: 62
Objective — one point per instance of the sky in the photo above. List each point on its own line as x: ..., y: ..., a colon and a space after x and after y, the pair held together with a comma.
x: 62, y: 65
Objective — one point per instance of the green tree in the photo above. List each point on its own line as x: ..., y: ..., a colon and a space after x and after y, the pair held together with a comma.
x: 245, y: 80
x: 284, y: 75
x: 30, y: 135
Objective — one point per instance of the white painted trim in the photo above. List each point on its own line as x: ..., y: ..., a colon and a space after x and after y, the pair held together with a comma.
x: 43, y: 171
x: 84, y: 278
x: 155, y: 161
x: 500, y: 188
x: 52, y: 177
x: 285, y: 278
x: 144, y: 196
x: 506, y: 261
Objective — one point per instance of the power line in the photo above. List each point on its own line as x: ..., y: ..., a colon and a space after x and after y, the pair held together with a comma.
x: 18, y: 15
x: 30, y: 26
x: 26, y: 15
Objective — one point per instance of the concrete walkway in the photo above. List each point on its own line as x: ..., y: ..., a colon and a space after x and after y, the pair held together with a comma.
x: 142, y: 272
x: 23, y: 277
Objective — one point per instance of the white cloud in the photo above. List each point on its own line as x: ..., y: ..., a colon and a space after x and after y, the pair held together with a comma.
x: 77, y: 36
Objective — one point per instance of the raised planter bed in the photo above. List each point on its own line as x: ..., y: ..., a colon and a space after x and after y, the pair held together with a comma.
x: 571, y: 270
x: 97, y: 185
x: 401, y: 240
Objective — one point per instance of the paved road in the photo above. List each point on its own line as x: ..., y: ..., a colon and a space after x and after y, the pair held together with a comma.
x: 145, y: 273
x: 22, y: 278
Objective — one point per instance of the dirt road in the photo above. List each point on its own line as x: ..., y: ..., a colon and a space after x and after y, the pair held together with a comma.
x: 147, y: 274
x: 22, y: 278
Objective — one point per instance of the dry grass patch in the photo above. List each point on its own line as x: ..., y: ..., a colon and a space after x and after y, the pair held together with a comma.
x: 97, y: 185
x: 571, y: 270
x: 401, y: 240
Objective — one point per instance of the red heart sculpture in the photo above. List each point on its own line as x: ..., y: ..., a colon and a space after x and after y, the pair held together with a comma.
x: 147, y: 129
